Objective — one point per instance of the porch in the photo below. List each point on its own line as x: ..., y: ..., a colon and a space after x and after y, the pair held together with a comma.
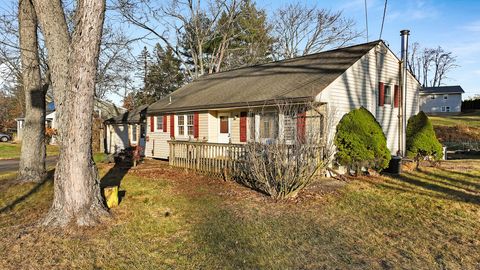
x: 228, y: 160
x: 216, y: 159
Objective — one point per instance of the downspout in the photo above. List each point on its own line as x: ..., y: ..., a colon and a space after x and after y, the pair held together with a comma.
x: 404, y: 54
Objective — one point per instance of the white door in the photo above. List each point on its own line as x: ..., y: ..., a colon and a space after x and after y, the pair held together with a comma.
x: 224, y: 127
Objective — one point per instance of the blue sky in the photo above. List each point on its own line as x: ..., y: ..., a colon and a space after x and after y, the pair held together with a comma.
x: 454, y: 25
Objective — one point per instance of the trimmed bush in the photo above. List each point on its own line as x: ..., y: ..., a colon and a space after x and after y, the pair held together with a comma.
x: 360, y: 142
x: 421, y: 139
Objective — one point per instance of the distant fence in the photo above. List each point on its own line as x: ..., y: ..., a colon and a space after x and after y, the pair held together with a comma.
x: 211, y: 158
x: 465, y: 145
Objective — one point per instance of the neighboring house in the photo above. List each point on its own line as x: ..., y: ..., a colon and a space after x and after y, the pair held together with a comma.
x: 126, y: 130
x: 103, y: 110
x: 441, y: 100
x: 240, y: 105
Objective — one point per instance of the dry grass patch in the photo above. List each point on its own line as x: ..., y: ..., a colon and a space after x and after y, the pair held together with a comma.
x: 172, y: 219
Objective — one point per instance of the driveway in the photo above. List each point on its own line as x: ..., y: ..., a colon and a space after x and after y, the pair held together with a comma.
x: 9, y: 165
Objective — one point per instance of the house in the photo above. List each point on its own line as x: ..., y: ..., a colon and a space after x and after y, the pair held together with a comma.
x: 126, y: 130
x: 103, y: 110
x: 241, y: 105
x: 441, y: 99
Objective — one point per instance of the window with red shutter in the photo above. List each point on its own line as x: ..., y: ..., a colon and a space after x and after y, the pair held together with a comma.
x: 172, y: 125
x: 165, y: 123
x: 396, y: 96
x: 301, y: 121
x: 243, y: 126
x: 381, y: 94
x: 152, y: 123
x: 196, y: 123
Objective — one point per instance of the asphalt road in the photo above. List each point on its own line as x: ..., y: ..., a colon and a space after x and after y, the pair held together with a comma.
x: 10, y: 165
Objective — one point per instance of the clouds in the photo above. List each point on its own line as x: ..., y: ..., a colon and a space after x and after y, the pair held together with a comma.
x: 472, y: 27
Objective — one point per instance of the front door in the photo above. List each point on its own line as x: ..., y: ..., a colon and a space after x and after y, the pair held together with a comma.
x: 224, y: 127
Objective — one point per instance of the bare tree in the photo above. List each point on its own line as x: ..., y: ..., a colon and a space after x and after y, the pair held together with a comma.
x: 431, y: 66
x: 291, y: 149
x: 443, y: 62
x: 191, y: 25
x: 73, y: 59
x: 32, y: 159
x: 302, y: 30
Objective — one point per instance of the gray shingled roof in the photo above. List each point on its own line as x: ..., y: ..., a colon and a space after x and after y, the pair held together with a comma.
x: 442, y: 90
x: 299, y: 78
x: 134, y: 116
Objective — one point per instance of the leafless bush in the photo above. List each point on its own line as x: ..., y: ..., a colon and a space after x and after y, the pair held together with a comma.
x: 287, y: 149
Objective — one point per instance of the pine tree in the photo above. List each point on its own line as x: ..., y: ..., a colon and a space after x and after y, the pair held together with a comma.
x: 163, y: 75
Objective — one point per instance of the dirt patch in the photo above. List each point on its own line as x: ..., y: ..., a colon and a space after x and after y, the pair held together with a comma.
x: 458, y: 133
x: 191, y: 184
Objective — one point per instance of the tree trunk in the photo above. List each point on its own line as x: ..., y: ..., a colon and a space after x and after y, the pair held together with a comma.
x: 32, y: 158
x: 77, y: 195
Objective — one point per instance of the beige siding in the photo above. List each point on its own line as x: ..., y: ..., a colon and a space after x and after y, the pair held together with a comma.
x: 203, y: 126
x: 212, y: 126
x: 235, y: 126
x: 358, y: 86
x: 157, y: 145
x: 117, y: 138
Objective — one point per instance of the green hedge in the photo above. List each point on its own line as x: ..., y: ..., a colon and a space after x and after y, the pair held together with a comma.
x: 421, y: 139
x: 360, y: 141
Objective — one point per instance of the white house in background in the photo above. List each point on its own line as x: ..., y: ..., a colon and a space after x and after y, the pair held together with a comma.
x: 441, y: 100
x: 103, y: 109
x: 238, y: 106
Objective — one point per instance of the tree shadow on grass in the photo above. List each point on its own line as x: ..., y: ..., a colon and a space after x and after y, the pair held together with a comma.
x: 114, y: 177
x: 451, y: 193
x: 35, y: 189
x: 457, y: 181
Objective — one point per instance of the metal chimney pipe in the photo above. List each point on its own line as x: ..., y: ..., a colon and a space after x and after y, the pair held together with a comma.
x: 404, y: 58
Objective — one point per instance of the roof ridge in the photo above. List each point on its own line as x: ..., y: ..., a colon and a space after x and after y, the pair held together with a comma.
x: 288, y: 59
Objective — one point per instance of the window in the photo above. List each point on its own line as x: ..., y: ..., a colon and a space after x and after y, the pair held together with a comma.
x: 159, y: 122
x: 445, y: 96
x: 445, y: 108
x: 224, y: 124
x: 185, y: 125
x: 190, y: 124
x: 181, y: 125
x: 432, y: 97
x: 289, y: 127
x: 388, y: 94
x: 269, y: 125
x: 251, y: 126
x: 134, y: 133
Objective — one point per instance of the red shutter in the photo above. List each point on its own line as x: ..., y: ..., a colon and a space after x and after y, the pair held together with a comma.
x: 152, y: 124
x: 396, y: 96
x: 195, y: 125
x: 172, y: 125
x: 301, y: 117
x: 165, y: 123
x: 381, y: 94
x: 243, y: 126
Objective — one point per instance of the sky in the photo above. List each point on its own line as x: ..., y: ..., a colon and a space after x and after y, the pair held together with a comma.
x: 454, y: 25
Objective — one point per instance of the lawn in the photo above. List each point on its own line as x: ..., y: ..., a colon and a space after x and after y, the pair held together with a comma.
x: 471, y: 119
x: 171, y: 219
x: 12, y: 150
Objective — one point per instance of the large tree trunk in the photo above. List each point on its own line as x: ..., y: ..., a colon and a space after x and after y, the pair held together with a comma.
x: 77, y: 195
x: 32, y: 158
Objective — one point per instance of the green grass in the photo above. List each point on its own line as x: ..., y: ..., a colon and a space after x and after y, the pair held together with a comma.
x: 12, y: 150
x: 471, y: 119
x: 174, y: 220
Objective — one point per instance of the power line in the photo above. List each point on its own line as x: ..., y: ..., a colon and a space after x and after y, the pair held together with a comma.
x: 383, y: 19
x: 366, y: 18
